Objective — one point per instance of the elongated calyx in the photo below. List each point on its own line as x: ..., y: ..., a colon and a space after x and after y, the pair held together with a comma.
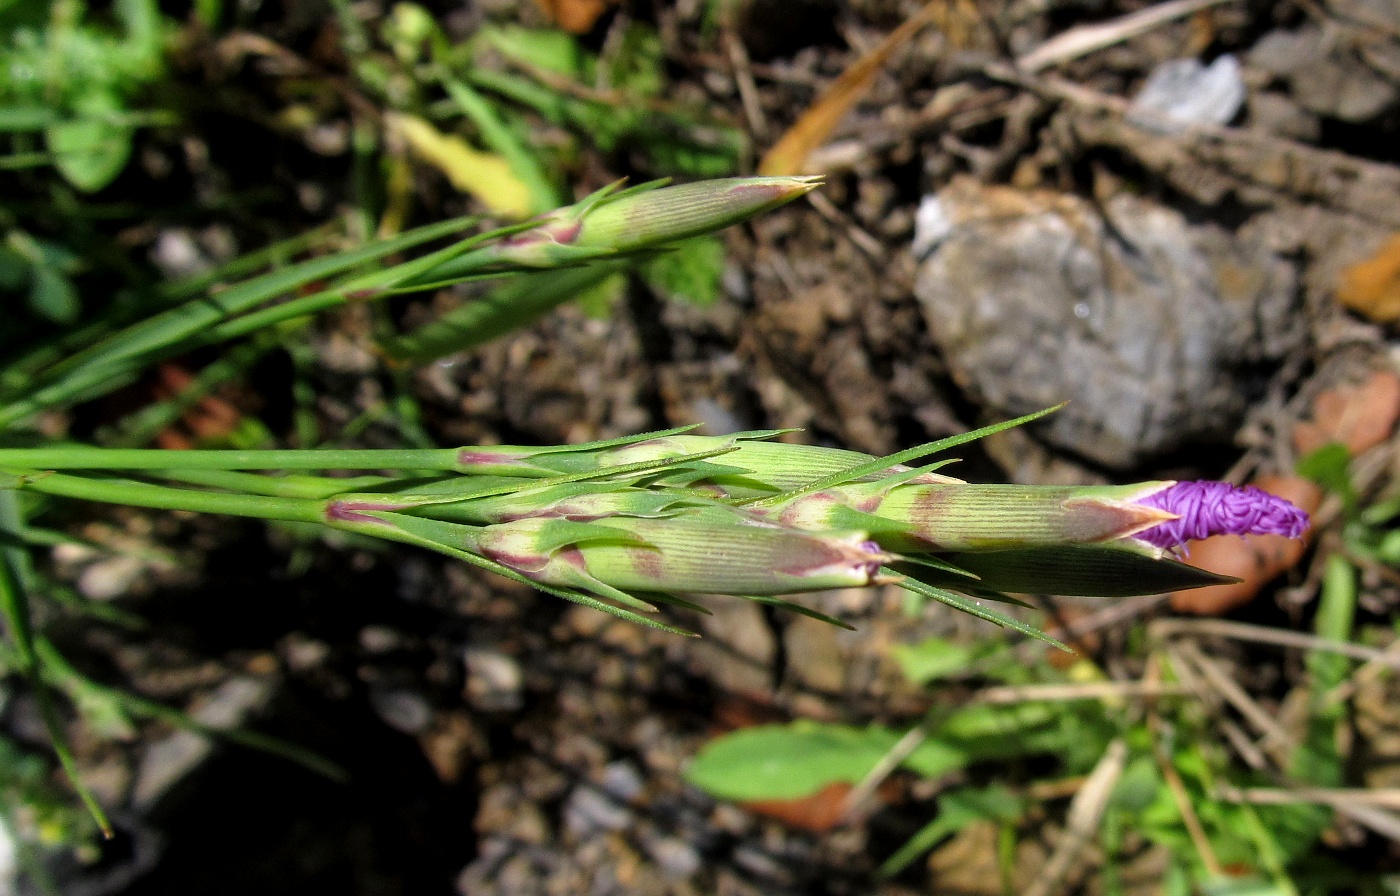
x: 665, y: 555
x: 646, y: 217
x: 1206, y: 508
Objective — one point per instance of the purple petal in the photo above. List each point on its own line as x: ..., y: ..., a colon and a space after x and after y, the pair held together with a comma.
x: 1209, y: 508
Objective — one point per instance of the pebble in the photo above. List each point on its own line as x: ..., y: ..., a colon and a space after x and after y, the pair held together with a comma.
x: 380, y: 639
x: 1183, y: 92
x: 588, y: 810
x: 676, y: 858
x: 1328, y: 71
x: 9, y: 860
x: 168, y: 761
x: 622, y: 781
x: 402, y: 709
x: 495, y: 682
x: 110, y: 578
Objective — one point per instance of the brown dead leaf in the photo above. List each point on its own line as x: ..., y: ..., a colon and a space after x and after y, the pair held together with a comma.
x: 818, y: 813
x: 789, y: 155
x: 1360, y: 416
x: 575, y: 16
x: 1372, y: 287
x: 211, y: 419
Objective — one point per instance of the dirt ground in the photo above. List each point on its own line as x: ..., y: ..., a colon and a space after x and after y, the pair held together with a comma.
x: 999, y: 231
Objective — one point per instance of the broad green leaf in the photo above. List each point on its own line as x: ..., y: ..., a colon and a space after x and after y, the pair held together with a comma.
x: 932, y: 659
x: 788, y: 761
x: 552, y: 50
x: 1330, y: 467
x: 89, y: 152
x: 52, y: 295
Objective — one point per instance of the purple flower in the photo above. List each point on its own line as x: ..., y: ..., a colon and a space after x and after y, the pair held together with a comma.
x: 1208, y: 508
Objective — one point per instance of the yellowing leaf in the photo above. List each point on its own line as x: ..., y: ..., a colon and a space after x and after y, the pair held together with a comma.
x: 485, y: 175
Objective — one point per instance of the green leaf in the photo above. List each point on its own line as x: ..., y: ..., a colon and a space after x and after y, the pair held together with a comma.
x: 956, y: 810
x: 976, y: 608
x: 1330, y: 467
x: 552, y: 50
x: 52, y: 295
x: 89, y: 152
x: 598, y: 301
x: 1138, y: 786
x: 1336, y: 613
x: 788, y: 761
x: 1081, y: 570
x: 689, y: 272
x: 517, y: 304
x: 932, y: 659
x: 25, y: 118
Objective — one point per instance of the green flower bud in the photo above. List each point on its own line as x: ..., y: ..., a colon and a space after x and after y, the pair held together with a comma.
x: 681, y: 555
x: 917, y: 517
x: 645, y: 217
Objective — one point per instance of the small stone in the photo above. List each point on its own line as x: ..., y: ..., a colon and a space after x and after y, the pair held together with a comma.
x: 9, y: 860
x: 109, y: 781
x: 622, y: 781
x: 302, y: 654
x: 1182, y: 92
x: 676, y: 859
x: 177, y: 254
x: 380, y: 639
x: 495, y: 682
x: 110, y: 578
x: 402, y: 709
x: 588, y: 810
x: 1333, y: 70
x: 503, y: 811
x: 164, y: 764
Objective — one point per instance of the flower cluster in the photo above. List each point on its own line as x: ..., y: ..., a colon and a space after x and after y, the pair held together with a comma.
x: 635, y: 521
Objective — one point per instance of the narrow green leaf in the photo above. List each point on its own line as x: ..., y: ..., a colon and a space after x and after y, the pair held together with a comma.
x: 799, y: 609
x: 975, y: 607
x: 956, y: 810
x: 902, y: 457
x: 1080, y: 570
x: 15, y: 609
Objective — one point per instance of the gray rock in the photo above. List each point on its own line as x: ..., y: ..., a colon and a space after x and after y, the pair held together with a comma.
x: 1335, y: 70
x: 589, y: 810
x: 402, y: 709
x: 675, y: 858
x: 495, y: 682
x: 168, y: 761
x: 1149, y: 326
x: 1182, y: 92
x: 622, y: 781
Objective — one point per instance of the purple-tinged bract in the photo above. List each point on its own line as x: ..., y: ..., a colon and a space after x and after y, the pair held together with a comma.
x: 1206, y: 508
